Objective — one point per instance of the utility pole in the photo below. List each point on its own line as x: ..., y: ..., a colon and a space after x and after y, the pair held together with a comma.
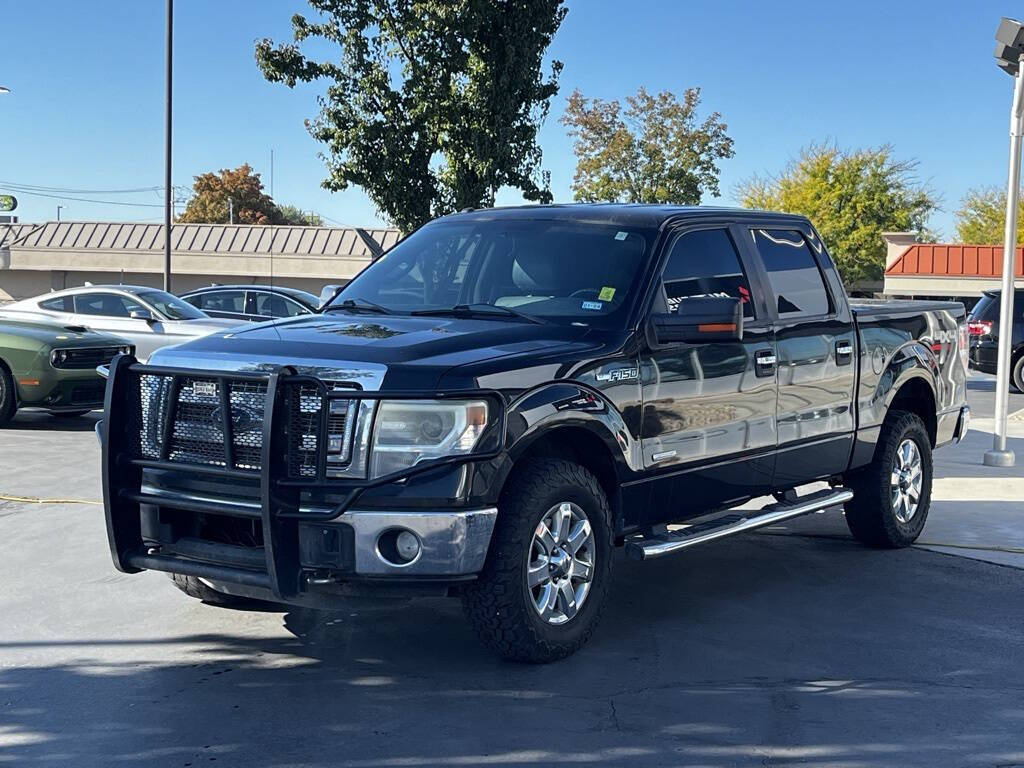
x: 231, y: 211
x: 58, y: 212
x: 168, y: 189
x: 271, y: 173
x: 1010, y: 58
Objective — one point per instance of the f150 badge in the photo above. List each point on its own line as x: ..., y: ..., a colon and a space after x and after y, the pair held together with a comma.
x: 619, y: 374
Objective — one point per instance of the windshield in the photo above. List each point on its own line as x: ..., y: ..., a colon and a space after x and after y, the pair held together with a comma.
x: 170, y: 306
x: 561, y: 270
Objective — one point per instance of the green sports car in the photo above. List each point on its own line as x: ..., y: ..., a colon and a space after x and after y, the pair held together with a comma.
x: 53, y: 367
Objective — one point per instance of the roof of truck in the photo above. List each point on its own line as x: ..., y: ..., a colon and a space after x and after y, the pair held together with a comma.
x: 622, y: 213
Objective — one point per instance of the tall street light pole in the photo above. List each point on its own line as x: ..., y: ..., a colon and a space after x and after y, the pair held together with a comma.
x: 1010, y: 58
x: 168, y: 189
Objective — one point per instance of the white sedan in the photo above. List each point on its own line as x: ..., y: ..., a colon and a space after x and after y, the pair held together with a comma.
x: 148, y: 317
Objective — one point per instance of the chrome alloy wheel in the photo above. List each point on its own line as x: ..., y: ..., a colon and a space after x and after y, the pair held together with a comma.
x: 905, y: 482
x: 560, y: 563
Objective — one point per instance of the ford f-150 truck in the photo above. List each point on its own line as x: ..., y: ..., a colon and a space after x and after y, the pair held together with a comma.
x: 506, y: 396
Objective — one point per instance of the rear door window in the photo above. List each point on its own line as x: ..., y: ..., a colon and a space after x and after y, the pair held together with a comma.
x: 273, y: 305
x: 705, y: 263
x: 221, y: 301
x: 793, y: 272
x: 59, y: 304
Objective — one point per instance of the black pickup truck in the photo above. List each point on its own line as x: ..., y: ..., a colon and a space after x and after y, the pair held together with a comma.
x: 506, y: 396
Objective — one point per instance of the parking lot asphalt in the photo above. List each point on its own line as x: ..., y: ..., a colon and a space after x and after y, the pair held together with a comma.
x: 800, y: 648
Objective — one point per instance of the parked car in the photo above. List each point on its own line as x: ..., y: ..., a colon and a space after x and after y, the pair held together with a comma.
x: 505, y: 396
x: 983, y: 327
x: 147, y: 317
x: 253, y: 303
x: 53, y: 367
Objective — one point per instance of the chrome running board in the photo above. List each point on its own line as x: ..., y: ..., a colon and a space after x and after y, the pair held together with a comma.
x: 729, y: 525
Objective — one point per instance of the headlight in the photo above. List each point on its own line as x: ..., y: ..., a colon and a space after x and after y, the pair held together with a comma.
x: 126, y: 350
x: 407, y: 432
x: 58, y: 357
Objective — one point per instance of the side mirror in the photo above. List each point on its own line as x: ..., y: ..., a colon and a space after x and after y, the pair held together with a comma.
x: 142, y: 314
x: 699, y: 320
x: 328, y: 294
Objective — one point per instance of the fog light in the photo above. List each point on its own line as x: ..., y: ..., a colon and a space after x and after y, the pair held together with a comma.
x: 407, y: 545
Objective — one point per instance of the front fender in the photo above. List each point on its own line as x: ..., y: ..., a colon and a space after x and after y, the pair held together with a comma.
x: 570, y: 404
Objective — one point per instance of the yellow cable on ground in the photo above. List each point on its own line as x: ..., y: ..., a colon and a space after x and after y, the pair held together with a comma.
x: 34, y: 500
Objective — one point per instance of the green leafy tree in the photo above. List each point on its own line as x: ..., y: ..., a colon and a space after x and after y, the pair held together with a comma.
x: 431, y: 106
x: 653, y: 150
x: 852, y: 196
x: 291, y: 214
x: 210, y: 192
x: 981, y: 218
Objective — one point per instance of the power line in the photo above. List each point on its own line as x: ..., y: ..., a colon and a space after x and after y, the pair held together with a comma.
x: 82, y: 199
x: 41, y: 188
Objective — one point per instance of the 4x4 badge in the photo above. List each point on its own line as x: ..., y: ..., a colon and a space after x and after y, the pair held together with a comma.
x: 619, y: 374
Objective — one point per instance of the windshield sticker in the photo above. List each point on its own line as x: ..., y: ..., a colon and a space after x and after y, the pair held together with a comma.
x: 592, y: 305
x: 607, y: 293
x: 621, y: 235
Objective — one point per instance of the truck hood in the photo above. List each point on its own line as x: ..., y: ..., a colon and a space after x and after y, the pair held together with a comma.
x: 411, y: 352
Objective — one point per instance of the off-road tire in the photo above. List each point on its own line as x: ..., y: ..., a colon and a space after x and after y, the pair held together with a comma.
x: 499, y: 604
x: 870, y: 515
x: 195, y: 587
x: 8, y: 395
x: 1017, y: 375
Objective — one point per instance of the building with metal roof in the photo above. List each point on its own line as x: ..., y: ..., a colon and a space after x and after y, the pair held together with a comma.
x: 36, y: 258
x: 944, y: 270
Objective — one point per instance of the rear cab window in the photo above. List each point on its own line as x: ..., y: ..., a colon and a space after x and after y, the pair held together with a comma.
x: 793, y: 273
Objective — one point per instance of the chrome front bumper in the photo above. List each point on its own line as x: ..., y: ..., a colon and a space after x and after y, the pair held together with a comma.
x: 452, y: 543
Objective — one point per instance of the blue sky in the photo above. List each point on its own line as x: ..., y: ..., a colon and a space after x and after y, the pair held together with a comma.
x: 86, y: 108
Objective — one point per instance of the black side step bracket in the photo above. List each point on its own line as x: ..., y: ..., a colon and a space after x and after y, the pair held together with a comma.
x: 735, y: 522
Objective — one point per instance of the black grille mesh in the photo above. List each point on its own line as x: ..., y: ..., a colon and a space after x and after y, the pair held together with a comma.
x: 197, y: 433
x: 304, y: 429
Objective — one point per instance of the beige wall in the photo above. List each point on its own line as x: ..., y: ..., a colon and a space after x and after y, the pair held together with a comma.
x: 915, y: 285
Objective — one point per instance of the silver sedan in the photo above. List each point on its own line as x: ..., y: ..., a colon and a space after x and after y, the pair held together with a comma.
x: 147, y: 317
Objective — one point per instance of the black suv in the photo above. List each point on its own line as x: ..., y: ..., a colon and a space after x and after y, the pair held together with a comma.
x: 506, y: 396
x: 983, y: 327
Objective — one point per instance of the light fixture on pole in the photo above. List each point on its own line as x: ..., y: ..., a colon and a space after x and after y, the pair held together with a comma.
x: 4, y: 89
x: 1009, y: 55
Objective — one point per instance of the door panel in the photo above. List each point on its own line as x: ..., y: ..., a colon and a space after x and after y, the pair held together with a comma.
x: 816, y: 368
x: 709, y: 409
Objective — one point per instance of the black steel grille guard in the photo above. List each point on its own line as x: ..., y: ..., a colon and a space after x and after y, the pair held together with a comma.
x: 123, y: 463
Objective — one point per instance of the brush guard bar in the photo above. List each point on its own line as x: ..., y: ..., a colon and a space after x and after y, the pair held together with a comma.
x: 128, y: 449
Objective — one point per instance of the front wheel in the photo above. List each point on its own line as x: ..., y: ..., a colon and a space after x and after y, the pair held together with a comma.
x: 543, y: 587
x: 892, y: 495
x: 8, y: 397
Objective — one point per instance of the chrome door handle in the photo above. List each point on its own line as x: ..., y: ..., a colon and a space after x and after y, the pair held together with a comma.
x: 764, y: 362
x: 844, y: 352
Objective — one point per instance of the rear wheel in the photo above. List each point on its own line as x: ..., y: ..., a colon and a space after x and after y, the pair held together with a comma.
x: 543, y: 587
x: 8, y: 396
x: 892, y: 495
x: 1018, y: 374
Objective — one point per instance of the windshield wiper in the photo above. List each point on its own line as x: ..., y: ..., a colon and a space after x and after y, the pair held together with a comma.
x: 351, y: 304
x: 479, y: 310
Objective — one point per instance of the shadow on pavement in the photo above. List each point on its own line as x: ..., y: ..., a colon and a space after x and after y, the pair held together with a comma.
x: 41, y: 421
x: 759, y: 651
